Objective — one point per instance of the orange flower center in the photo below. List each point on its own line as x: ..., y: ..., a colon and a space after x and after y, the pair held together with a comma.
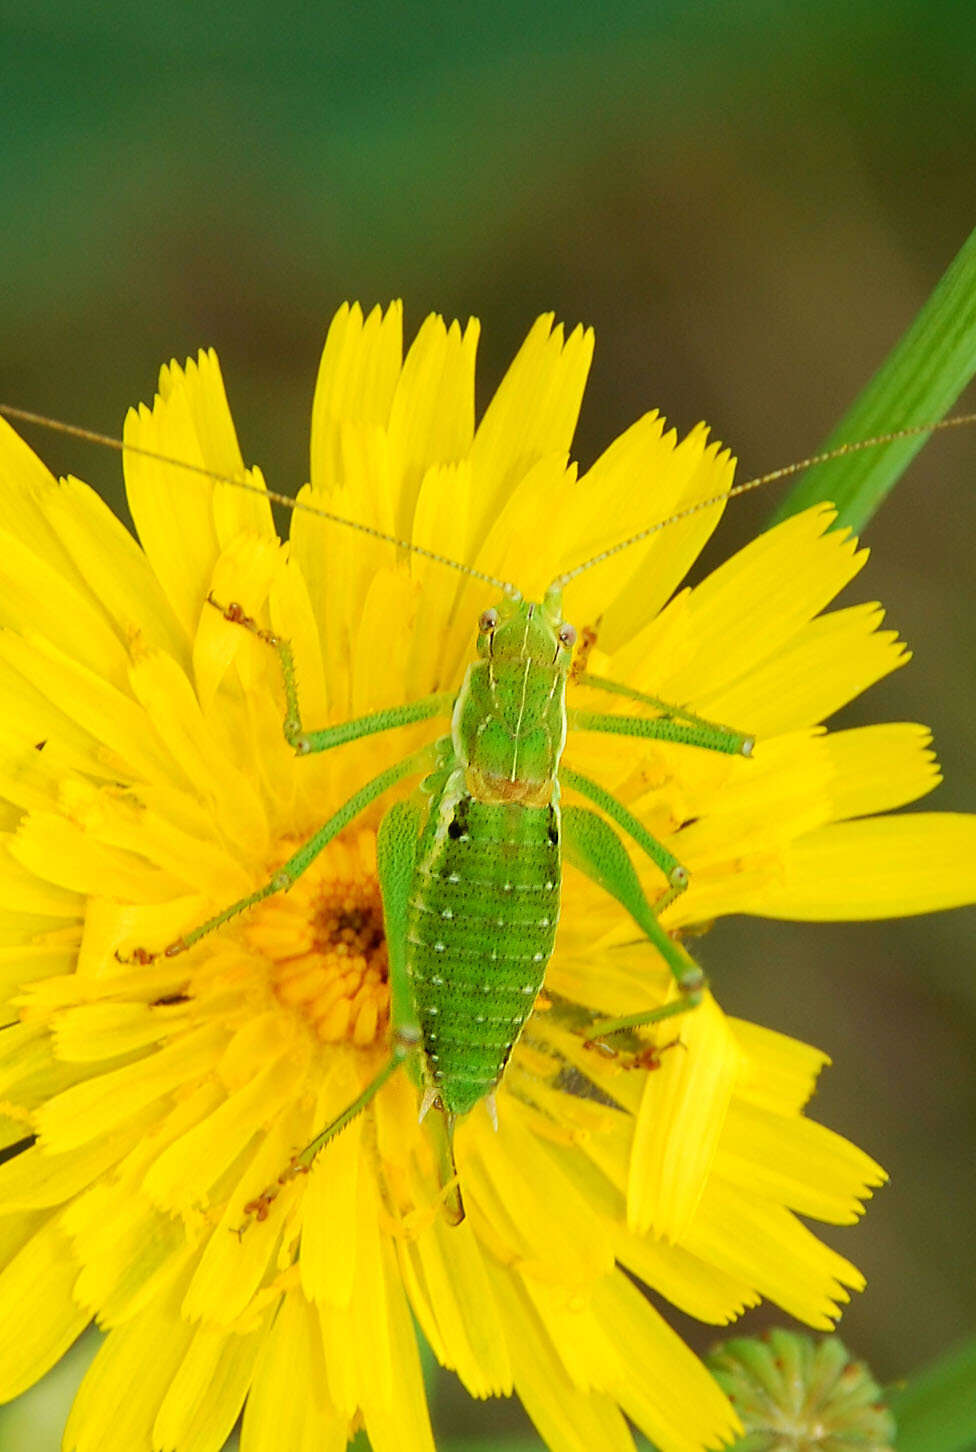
x: 325, y: 944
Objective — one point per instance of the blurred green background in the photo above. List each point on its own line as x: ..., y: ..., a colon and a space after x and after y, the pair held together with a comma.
x: 748, y: 201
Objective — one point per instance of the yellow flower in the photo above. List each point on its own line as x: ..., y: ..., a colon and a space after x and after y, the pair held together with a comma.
x: 146, y: 785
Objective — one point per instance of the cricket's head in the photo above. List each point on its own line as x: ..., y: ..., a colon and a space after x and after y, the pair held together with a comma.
x: 532, y: 630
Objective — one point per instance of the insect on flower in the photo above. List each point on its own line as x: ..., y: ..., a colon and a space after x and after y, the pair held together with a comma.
x: 227, y: 939
x: 470, y: 875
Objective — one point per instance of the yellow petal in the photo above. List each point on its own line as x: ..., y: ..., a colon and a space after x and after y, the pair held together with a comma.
x: 389, y: 609
x: 101, y: 1104
x: 165, y: 830
x: 396, y: 1420
x: 682, y: 1111
x: 877, y: 867
x: 696, y: 1286
x: 112, y: 927
x: 168, y: 699
x: 234, y: 1266
x: 371, y: 1330
x: 432, y: 414
x: 533, y: 412
x: 242, y: 575
x: 512, y: 1181
x: 778, y: 1072
x: 201, y: 384
x: 21, y: 889
x: 877, y: 768
x: 627, y: 592
x: 769, y: 1248
x: 795, y: 1162
x: 828, y: 662
x: 111, y: 717
x: 454, y: 1291
x: 183, y: 1173
x: 754, y: 602
x: 442, y: 522
x: 130, y: 1251
x: 330, y: 1216
x: 635, y: 476
x: 17, y: 1230
x: 663, y: 1386
x: 117, y: 569
x: 118, y: 1400
x: 567, y: 1419
x: 39, y: 1319
x: 288, y: 1405
x: 208, y: 1388
x: 34, y: 1179
x: 57, y: 849
x: 172, y: 507
x: 539, y: 493
x: 38, y: 963
x: 36, y: 597
x: 29, y: 1072
x: 28, y: 486
x: 357, y: 377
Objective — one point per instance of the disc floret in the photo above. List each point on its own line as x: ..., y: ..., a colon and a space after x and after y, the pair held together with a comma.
x: 325, y: 945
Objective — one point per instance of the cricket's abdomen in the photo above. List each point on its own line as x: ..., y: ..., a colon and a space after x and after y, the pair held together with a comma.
x: 482, y: 925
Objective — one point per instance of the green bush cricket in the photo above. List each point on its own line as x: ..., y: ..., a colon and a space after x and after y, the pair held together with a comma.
x: 470, y: 867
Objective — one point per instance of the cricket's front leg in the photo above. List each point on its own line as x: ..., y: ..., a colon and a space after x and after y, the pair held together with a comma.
x: 667, y: 709
x: 306, y: 743
x: 299, y: 861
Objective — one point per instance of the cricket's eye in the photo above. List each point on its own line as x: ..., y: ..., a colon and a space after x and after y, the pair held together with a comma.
x: 567, y: 635
x: 487, y: 621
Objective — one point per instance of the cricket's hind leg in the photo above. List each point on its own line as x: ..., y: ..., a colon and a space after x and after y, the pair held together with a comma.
x: 675, y: 873
x: 396, y: 865
x: 593, y: 846
x: 396, y: 853
x: 648, y: 1057
x: 260, y: 1207
x: 440, y: 1127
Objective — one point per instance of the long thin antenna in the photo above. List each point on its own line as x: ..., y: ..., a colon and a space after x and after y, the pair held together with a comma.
x: 785, y: 472
x: 24, y: 415
x: 956, y: 421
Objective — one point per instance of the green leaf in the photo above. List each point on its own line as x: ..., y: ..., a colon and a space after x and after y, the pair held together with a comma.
x: 918, y: 382
x: 936, y: 1410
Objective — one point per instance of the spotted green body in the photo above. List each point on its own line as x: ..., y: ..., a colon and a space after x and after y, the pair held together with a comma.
x: 485, y: 898
x: 482, y: 927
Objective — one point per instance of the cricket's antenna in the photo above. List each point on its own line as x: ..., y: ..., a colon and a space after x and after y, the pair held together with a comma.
x: 956, y: 421
x: 23, y: 415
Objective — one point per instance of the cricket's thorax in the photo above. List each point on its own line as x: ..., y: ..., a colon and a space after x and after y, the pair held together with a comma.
x: 509, y: 724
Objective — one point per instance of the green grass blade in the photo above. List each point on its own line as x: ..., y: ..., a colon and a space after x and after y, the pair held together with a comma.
x: 920, y: 380
x: 936, y: 1410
